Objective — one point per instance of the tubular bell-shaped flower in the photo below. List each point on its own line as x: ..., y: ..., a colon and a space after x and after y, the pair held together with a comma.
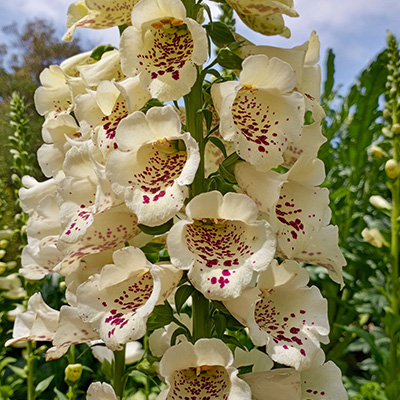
x: 163, y: 47
x: 100, y: 391
x: 118, y: 300
x: 298, y: 212
x: 285, y: 315
x: 265, y: 16
x: 221, y: 244
x: 153, y: 164
x: 201, y: 371
x: 260, y: 113
x: 97, y: 14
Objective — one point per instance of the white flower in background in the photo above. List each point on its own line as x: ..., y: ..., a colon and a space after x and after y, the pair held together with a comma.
x: 221, y: 244
x: 38, y: 323
x: 319, y: 382
x: 265, y: 16
x: 297, y: 211
x: 100, y: 391
x: 12, y: 314
x: 99, y: 14
x: 133, y: 353
x: 260, y: 113
x: 201, y: 371
x: 303, y: 59
x: 118, y: 301
x: 163, y: 47
x: 374, y: 237
x: 284, y: 314
x: 160, y: 339
x: 153, y: 164
x: 380, y: 203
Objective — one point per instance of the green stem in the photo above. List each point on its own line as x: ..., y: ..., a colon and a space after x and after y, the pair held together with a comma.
x: 200, y: 316
x: 394, y: 258
x: 194, y: 125
x: 31, y: 359
x: 119, y: 371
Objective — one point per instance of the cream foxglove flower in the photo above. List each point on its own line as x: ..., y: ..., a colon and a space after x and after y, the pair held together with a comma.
x: 284, y: 314
x: 258, y: 360
x: 70, y: 330
x: 304, y: 61
x: 100, y: 112
x: 99, y: 14
x: 297, y: 211
x: 221, y: 243
x: 319, y: 382
x: 261, y: 113
x: 100, y: 391
x: 160, y: 339
x: 201, y: 371
x: 163, y: 47
x: 118, y: 301
x: 60, y: 132
x: 153, y: 164
x: 39, y: 322
x: 133, y: 352
x: 265, y: 16
x: 109, y: 230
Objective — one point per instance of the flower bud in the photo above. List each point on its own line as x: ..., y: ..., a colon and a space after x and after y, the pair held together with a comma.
x: 73, y: 372
x: 377, y: 151
x: 11, y: 264
x: 392, y: 168
x: 386, y: 113
x: 396, y: 129
x: 3, y: 244
x: 387, y: 132
x: 2, y: 253
x: 374, y: 237
x: 3, y: 267
x: 380, y: 203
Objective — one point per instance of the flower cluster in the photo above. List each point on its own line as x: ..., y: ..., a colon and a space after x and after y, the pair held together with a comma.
x: 124, y: 175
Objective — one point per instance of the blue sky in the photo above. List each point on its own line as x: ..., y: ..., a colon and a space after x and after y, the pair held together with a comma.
x: 355, y: 29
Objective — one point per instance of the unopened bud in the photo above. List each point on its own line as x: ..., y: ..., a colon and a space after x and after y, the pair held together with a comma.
x: 3, y: 267
x: 387, y: 132
x: 2, y: 253
x: 3, y: 244
x: 377, y: 151
x: 380, y: 203
x: 73, y: 372
x: 63, y: 285
x: 396, y: 129
x: 11, y: 264
x: 386, y: 113
x: 374, y: 237
x: 392, y: 168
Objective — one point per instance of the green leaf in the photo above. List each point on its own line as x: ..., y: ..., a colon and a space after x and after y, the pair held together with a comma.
x: 330, y: 73
x: 228, y: 59
x: 232, y: 340
x: 177, y: 332
x: 369, y: 339
x: 219, y: 324
x: 157, y: 230
x: 5, y: 361
x: 44, y: 384
x: 245, y: 369
x: 218, y: 142
x: 219, y: 33
x: 208, y: 116
x: 152, y: 247
x: 60, y: 395
x: 181, y: 295
x: 98, y: 52
x: 18, y: 371
x: 161, y: 316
